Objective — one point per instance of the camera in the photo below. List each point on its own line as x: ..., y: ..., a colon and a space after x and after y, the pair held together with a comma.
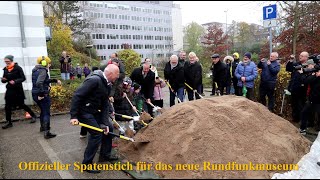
x: 300, y: 67
x: 312, y: 70
x: 315, y: 58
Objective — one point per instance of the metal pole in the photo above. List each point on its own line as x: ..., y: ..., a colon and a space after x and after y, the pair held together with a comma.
x: 90, y: 55
x: 227, y: 30
x: 270, y: 34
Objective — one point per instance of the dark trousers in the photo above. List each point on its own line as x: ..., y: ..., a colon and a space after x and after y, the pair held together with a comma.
x: 191, y: 94
x: 200, y: 88
x: 213, y: 91
x: 158, y: 103
x: 228, y: 89
x: 179, y: 93
x: 249, y: 92
x: 79, y: 76
x: 83, y: 131
x: 44, y: 106
x: 298, y: 100
x: 266, y: 89
x: 8, y: 109
x: 96, y: 138
x: 220, y: 88
x: 306, y: 114
x: 235, y: 86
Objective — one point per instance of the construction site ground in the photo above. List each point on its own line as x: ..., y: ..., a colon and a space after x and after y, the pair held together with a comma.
x: 24, y: 143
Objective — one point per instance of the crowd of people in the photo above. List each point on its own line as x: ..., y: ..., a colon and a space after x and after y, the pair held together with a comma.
x: 107, y: 93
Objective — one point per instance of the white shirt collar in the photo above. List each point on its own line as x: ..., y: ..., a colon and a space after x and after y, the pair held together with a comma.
x: 105, y: 76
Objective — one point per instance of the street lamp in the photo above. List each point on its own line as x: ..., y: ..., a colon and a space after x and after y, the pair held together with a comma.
x: 226, y: 11
x: 89, y: 46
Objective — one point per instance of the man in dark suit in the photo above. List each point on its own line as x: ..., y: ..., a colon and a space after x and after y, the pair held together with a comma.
x: 146, y: 79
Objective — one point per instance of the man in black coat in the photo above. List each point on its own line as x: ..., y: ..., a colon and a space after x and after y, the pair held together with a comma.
x: 296, y: 86
x: 313, y: 103
x: 174, y: 74
x: 182, y: 58
x: 193, y: 76
x: 219, y: 73
x: 13, y: 75
x: 90, y: 106
x: 146, y: 79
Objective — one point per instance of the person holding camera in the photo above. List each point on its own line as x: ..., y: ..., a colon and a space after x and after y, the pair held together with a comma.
x: 270, y: 69
x: 312, y: 81
x: 65, y: 68
x: 296, y: 86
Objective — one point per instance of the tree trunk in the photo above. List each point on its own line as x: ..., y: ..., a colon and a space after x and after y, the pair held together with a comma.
x: 295, y: 28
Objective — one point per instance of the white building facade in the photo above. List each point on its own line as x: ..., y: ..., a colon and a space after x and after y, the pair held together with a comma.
x: 147, y: 26
x: 22, y: 34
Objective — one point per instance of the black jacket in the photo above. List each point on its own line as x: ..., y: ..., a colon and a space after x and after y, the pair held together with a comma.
x: 228, y: 79
x: 65, y: 67
x: 119, y: 81
x: 193, y: 74
x: 41, y: 81
x: 219, y: 74
x: 234, y: 67
x: 147, y: 84
x: 296, y: 84
x: 121, y: 104
x: 175, y: 76
x: 314, y: 96
x: 181, y: 61
x: 14, y: 92
x: 92, y: 97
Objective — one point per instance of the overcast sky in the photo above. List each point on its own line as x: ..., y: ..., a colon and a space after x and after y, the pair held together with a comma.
x: 213, y: 11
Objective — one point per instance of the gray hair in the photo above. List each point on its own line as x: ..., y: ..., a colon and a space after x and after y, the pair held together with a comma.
x: 174, y: 57
x: 275, y: 53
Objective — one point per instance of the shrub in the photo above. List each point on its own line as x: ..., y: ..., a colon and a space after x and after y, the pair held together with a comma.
x: 131, y: 59
x: 282, y: 84
x: 61, y: 95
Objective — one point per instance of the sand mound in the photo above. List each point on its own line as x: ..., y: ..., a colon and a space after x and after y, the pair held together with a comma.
x: 218, y: 130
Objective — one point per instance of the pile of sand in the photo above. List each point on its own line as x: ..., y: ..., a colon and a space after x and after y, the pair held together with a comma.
x: 218, y: 130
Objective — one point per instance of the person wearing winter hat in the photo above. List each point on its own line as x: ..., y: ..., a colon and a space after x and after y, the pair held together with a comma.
x: 235, y: 63
x: 40, y: 93
x: 228, y: 60
x: 14, y: 97
x: 219, y: 74
x: 246, y: 73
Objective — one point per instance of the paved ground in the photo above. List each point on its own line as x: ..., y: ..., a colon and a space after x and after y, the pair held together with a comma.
x: 24, y: 142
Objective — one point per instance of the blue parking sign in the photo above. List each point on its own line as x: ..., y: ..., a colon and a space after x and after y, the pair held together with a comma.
x: 270, y: 12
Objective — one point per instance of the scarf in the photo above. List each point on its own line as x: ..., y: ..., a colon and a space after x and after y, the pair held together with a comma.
x: 173, y: 66
x: 10, y: 67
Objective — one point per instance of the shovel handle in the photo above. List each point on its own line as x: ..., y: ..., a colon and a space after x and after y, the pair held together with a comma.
x: 90, y: 127
x: 192, y: 90
x: 101, y: 130
x: 172, y: 91
x: 120, y: 128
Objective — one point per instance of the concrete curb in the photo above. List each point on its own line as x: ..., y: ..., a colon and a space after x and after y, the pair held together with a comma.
x: 24, y: 119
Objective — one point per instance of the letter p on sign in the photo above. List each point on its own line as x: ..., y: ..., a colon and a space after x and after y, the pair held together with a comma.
x: 270, y: 12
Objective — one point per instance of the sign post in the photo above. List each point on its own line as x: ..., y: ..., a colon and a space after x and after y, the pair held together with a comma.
x: 269, y: 16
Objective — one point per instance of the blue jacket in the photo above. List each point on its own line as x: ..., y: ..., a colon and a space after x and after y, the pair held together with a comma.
x: 248, y: 71
x: 269, y: 72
